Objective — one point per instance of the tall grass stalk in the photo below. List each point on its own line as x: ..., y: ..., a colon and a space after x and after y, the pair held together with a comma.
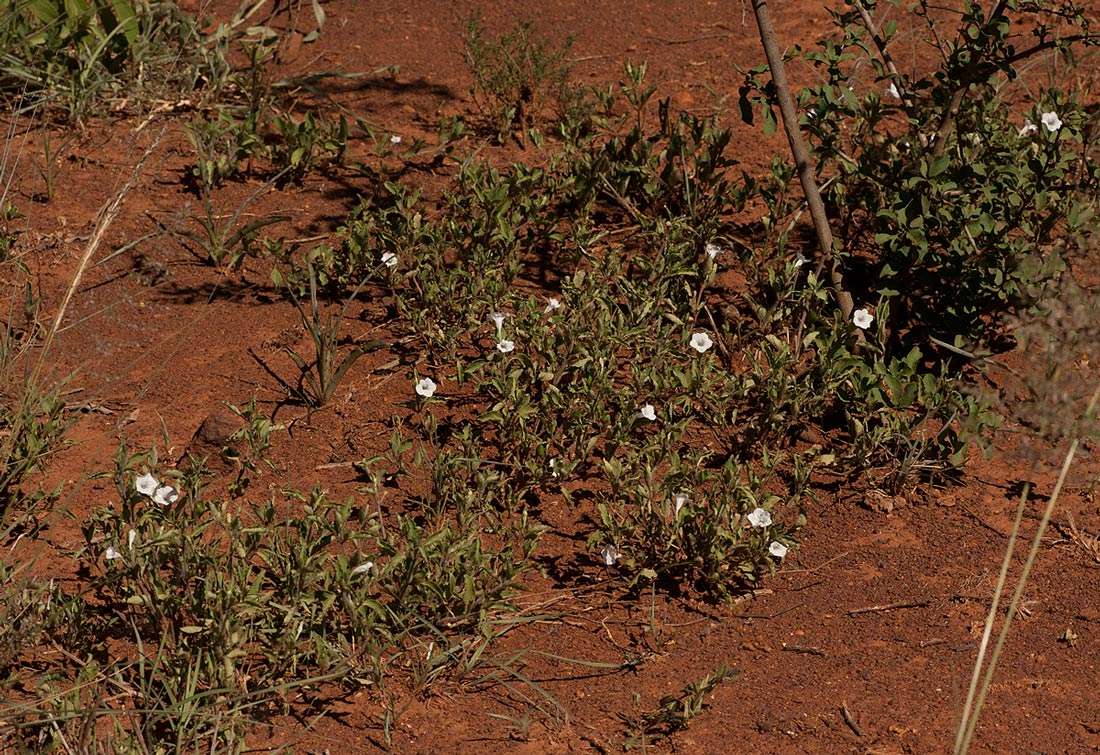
x: 968, y: 725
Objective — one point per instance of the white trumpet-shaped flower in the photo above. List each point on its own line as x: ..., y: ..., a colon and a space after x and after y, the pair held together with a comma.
x: 648, y: 412
x: 426, y: 387
x: 111, y: 553
x: 713, y: 250
x: 165, y: 494
x: 862, y: 319
x: 760, y: 518
x: 1051, y: 121
x: 395, y: 139
x: 146, y: 484
x: 389, y: 259
x: 363, y: 568
x: 552, y: 303
x: 130, y: 538
x: 777, y: 549
x: 701, y: 342
x: 892, y: 90
x: 504, y: 346
x: 610, y: 555
x: 679, y: 501
x: 498, y: 320
x: 1027, y: 129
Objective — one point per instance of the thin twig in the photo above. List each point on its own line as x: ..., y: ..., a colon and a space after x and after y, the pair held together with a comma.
x: 890, y: 607
x: 804, y: 649
x: 991, y: 616
x: 850, y: 720
x: 887, y: 59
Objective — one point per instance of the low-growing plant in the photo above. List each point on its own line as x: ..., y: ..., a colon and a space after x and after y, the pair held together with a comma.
x: 516, y: 75
x: 675, y: 712
x: 685, y: 525
x: 220, y: 146
x: 32, y: 420
x: 70, y: 57
x: 308, y: 144
x: 248, y: 446
x: 319, y: 375
x: 226, y: 240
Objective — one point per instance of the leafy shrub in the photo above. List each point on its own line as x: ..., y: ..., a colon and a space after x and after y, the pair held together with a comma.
x: 307, y: 144
x: 949, y: 201
x: 515, y: 75
x: 73, y: 55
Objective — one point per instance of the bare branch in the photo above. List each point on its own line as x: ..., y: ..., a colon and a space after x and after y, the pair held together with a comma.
x: 801, y: 156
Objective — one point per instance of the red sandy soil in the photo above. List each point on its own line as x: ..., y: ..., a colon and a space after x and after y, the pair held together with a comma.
x: 160, y: 341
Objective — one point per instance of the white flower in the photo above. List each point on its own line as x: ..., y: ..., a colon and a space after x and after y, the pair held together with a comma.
x: 648, y: 412
x: 395, y: 139
x: 713, y: 250
x: 553, y: 467
x: 1051, y: 121
x: 777, y: 549
x: 498, y: 320
x: 504, y: 346
x: 552, y: 303
x: 679, y: 501
x: 426, y: 387
x: 892, y: 90
x: 130, y: 538
x: 1027, y: 129
x: 701, y: 342
x: 862, y: 319
x: 363, y: 568
x: 799, y: 261
x: 146, y: 484
x: 610, y: 555
x: 165, y: 494
x: 389, y: 259
x: 111, y: 553
x: 760, y: 518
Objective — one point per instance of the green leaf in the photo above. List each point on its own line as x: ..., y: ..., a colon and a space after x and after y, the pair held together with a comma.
x: 126, y: 20
x: 939, y: 166
x: 769, y: 121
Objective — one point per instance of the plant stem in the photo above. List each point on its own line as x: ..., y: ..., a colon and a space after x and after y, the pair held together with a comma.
x: 801, y: 156
x: 1017, y: 595
x: 887, y: 58
x: 991, y: 617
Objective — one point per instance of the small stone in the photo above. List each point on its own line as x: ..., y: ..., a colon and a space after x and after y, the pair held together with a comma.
x: 214, y: 434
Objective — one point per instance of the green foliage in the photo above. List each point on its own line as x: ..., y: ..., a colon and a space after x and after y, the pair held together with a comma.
x: 8, y: 215
x: 248, y: 446
x: 319, y: 376
x: 220, y: 146
x: 675, y: 712
x: 308, y: 144
x: 71, y: 55
x: 949, y: 206
x: 950, y: 210
x: 516, y: 75
x: 32, y: 420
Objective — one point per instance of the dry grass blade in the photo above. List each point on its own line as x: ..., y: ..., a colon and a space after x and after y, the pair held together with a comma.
x: 988, y: 631
x: 971, y: 724
x: 107, y: 216
x: 1088, y: 542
